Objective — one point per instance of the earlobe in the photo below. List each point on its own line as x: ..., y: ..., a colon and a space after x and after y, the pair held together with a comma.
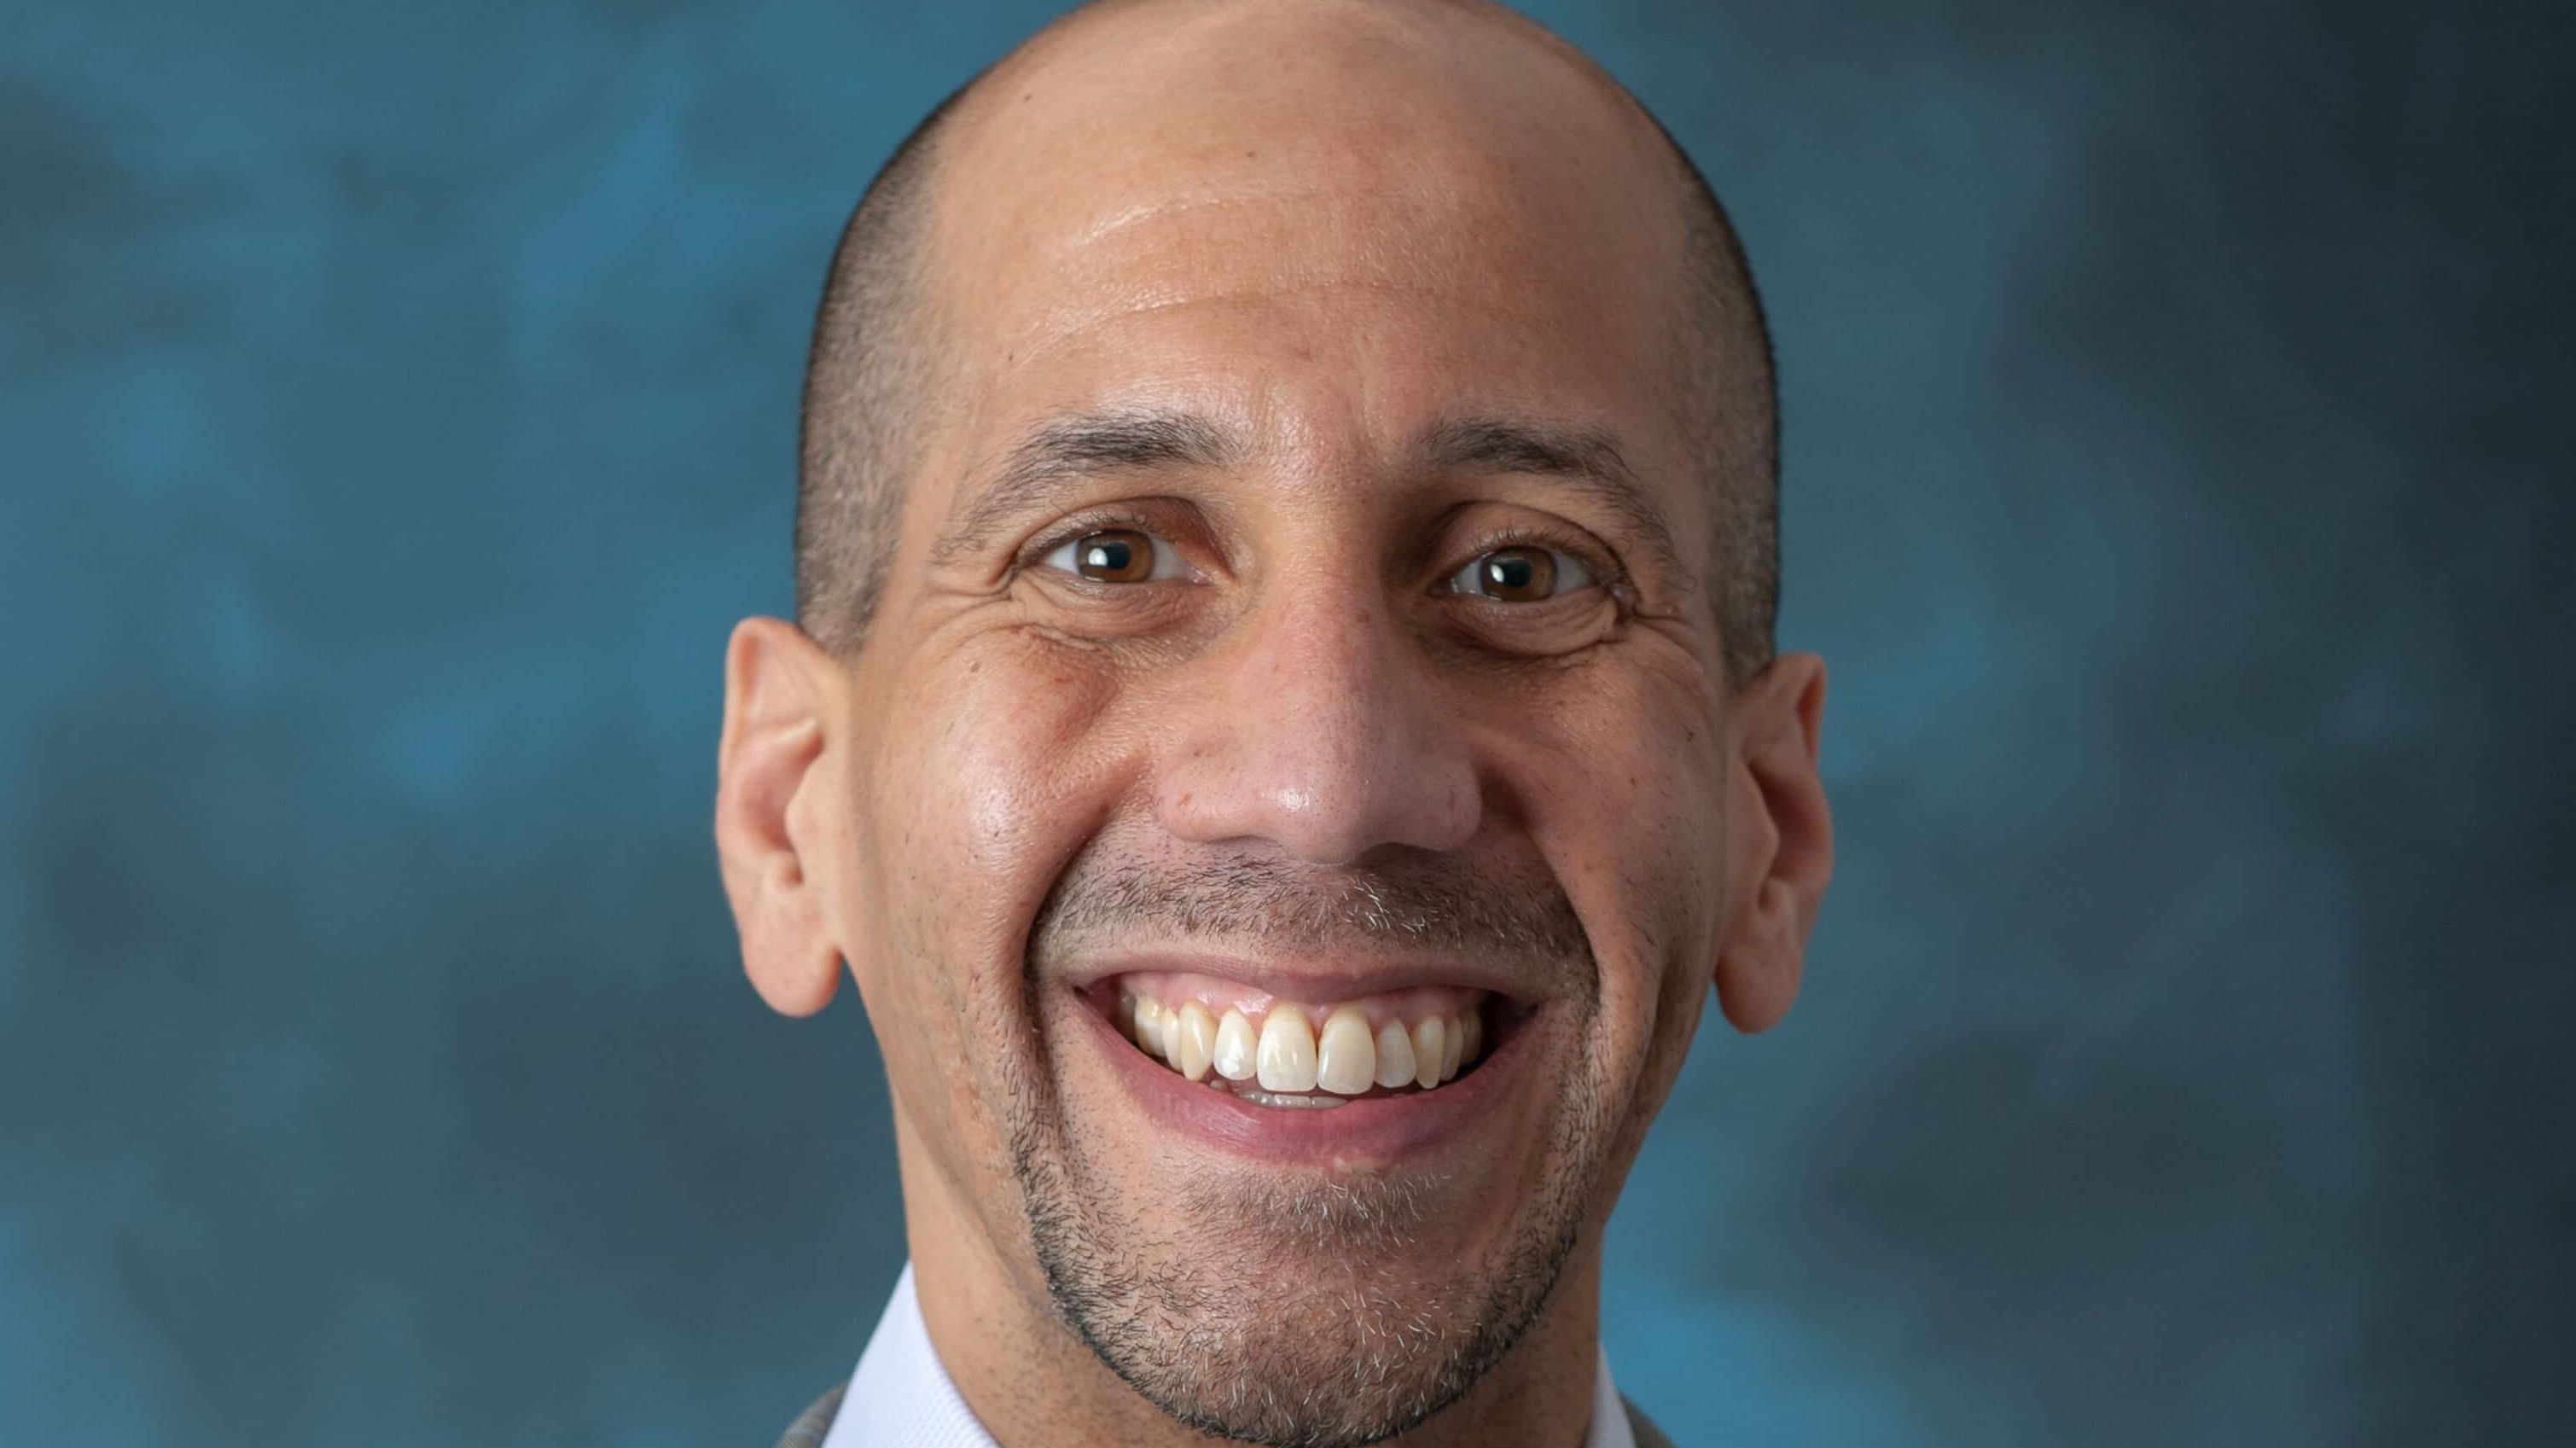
x: 1785, y: 834
x: 775, y: 751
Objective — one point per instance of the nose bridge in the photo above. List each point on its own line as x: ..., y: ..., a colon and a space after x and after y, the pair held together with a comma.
x: 1319, y: 733
x: 1333, y: 682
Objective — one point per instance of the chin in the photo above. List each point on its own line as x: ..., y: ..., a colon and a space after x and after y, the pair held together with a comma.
x: 1289, y: 1281
x: 1315, y: 1312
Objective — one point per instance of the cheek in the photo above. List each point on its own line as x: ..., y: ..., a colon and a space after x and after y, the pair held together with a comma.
x: 1621, y: 785
x: 993, y: 768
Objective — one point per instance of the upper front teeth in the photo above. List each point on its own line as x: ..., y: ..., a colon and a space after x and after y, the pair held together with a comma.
x: 1191, y: 1034
x: 1394, y: 1055
x: 1237, y: 1049
x: 1285, y: 1053
x: 1346, y: 1057
x: 1287, y: 1058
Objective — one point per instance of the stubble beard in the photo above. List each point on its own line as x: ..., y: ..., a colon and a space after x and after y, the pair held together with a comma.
x: 1313, y: 1309
x: 1310, y: 1312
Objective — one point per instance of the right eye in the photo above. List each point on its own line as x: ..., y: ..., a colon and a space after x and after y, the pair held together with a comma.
x: 1117, y: 555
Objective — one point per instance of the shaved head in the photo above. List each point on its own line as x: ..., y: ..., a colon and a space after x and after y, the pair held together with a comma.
x: 1286, y: 539
x: 872, y: 370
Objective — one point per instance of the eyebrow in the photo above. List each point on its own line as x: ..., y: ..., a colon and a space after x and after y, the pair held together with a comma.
x: 1057, y: 455
x: 1060, y: 454
x: 1587, y: 461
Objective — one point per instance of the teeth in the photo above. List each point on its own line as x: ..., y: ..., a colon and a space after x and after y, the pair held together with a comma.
x: 1290, y: 1058
x: 1236, y: 1049
x: 1264, y: 1098
x: 1287, y: 1055
x: 1192, y: 1032
x: 1346, y: 1061
x: 1394, y: 1055
x: 1430, y: 1048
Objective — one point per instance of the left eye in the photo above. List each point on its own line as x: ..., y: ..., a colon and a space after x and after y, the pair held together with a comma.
x: 1521, y: 575
x: 1118, y: 555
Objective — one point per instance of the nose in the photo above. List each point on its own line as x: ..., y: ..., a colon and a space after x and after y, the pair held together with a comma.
x: 1318, y: 729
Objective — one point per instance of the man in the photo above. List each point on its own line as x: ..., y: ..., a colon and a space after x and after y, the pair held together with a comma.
x: 1282, y: 722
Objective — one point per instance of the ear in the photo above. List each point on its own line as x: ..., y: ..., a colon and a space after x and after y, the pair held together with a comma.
x: 773, y: 812
x: 1783, y: 838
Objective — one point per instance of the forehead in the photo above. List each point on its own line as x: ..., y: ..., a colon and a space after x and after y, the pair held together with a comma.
x: 1304, y: 216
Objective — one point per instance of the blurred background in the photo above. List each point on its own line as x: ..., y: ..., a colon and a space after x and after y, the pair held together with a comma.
x: 397, y: 406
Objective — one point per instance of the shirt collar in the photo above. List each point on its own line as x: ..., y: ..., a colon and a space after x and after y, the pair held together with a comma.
x: 901, y: 1397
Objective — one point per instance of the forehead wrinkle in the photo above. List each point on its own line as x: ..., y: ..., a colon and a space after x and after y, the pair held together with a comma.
x: 1152, y: 266
x: 1221, y: 193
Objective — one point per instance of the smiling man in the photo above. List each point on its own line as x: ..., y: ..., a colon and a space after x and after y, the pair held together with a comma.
x: 1282, y: 723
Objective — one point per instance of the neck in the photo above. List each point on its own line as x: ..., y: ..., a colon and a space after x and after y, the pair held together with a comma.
x: 1032, y: 1382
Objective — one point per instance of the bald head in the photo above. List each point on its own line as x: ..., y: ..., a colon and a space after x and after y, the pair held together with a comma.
x: 1422, y: 112
x: 1288, y: 495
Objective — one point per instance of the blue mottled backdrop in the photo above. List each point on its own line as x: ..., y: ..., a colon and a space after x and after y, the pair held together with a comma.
x: 398, y: 407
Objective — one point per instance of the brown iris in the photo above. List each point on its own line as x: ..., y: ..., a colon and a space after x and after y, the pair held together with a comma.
x: 1517, y: 575
x: 1115, y: 555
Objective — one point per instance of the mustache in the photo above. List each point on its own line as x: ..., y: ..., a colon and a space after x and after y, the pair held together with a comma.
x: 1415, y: 901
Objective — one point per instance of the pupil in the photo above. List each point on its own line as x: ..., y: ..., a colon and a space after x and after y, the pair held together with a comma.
x: 1112, y: 556
x: 1519, y: 575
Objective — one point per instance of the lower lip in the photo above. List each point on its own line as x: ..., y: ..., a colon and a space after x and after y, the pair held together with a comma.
x: 1359, y: 1133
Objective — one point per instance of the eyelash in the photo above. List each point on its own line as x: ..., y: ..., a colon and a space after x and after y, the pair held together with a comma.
x: 1606, y: 572
x: 1035, y: 552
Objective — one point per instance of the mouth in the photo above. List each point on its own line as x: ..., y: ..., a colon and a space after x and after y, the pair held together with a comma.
x: 1344, y: 1077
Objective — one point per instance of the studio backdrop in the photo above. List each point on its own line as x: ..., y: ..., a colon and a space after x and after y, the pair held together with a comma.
x: 397, y: 406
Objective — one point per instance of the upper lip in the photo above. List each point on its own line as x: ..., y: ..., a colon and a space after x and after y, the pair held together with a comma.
x: 1309, y: 977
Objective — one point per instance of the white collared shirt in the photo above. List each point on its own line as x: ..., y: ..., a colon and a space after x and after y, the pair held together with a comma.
x: 901, y: 1397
